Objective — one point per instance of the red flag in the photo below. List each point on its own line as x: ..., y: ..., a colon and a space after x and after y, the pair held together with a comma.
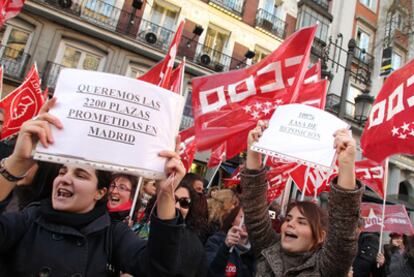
x: 390, y: 129
x: 234, y: 180
x: 372, y: 175
x: 22, y: 104
x: 227, y: 105
x: 396, y: 218
x: 1, y: 79
x: 217, y: 156
x: 313, y: 75
x: 187, y: 147
x: 160, y: 74
x: 317, y: 180
x: 177, y: 78
x: 9, y: 9
x: 277, y: 178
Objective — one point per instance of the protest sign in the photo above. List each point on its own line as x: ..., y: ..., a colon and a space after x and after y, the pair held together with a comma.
x: 113, y: 123
x: 301, y: 133
x: 396, y: 218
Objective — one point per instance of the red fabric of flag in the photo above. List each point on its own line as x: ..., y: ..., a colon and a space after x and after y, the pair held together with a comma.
x: 22, y: 104
x: 9, y: 9
x: 187, y: 147
x: 390, y: 127
x: 372, y: 175
x: 227, y: 105
x: 217, y: 156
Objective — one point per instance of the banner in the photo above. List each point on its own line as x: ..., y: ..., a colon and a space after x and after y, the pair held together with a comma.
x: 301, y: 133
x: 113, y: 123
x: 22, y: 104
x: 226, y: 106
x: 396, y: 218
x: 390, y: 129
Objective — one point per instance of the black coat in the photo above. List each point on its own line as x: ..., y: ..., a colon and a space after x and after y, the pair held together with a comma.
x: 31, y: 245
x: 221, y: 260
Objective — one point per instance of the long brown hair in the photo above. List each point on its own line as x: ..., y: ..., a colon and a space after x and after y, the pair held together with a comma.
x: 317, y: 218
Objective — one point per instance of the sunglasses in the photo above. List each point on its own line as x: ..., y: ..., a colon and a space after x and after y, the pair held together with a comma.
x: 120, y: 188
x: 184, y: 202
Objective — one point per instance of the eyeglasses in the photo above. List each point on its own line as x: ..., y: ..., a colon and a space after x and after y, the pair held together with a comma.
x: 121, y: 187
x: 184, y: 202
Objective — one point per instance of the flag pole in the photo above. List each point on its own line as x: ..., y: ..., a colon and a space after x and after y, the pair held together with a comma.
x: 182, y: 78
x: 214, y: 174
x: 134, y: 202
x: 240, y: 225
x: 305, y: 186
x: 286, y: 196
x: 383, y: 203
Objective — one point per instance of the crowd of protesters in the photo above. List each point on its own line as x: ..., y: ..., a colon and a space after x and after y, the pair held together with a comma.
x: 74, y: 220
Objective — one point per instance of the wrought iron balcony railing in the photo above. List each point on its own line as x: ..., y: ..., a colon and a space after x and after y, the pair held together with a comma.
x: 234, y: 6
x: 362, y: 56
x: 270, y: 23
x: 333, y: 102
x: 51, y: 74
x: 323, y: 3
x: 13, y: 61
x: 155, y: 35
x: 186, y: 122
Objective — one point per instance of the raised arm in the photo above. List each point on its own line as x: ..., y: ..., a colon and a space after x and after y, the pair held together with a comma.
x: 253, y: 197
x: 340, y: 246
x: 20, y: 161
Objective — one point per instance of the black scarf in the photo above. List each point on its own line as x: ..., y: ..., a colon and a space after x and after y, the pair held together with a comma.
x: 70, y: 219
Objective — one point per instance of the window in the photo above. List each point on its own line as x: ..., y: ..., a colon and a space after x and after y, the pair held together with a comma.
x: 397, y: 21
x: 163, y: 16
x: 396, y: 61
x: 269, y: 6
x: 15, y: 38
x: 81, y: 56
x: 261, y: 53
x: 350, y: 101
x: 135, y: 70
x: 310, y: 17
x: 371, y: 4
x: 216, y: 40
x: 363, y: 40
x: 103, y: 7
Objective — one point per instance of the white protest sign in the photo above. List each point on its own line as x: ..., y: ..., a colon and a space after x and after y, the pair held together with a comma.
x: 301, y: 133
x: 113, y: 123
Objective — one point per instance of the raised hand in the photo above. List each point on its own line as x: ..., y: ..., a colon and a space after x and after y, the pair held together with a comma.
x: 345, y: 147
x: 233, y: 236
x: 32, y: 131
x: 254, y: 159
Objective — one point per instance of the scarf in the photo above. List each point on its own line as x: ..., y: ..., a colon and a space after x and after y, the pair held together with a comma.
x: 68, y: 218
x: 120, y: 208
x: 291, y: 260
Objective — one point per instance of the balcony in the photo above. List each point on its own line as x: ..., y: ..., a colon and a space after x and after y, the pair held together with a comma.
x: 270, y: 23
x: 361, y: 56
x: 232, y: 6
x: 117, y: 20
x: 323, y: 3
x: 333, y: 102
x: 13, y: 61
x: 186, y: 122
x: 50, y: 75
x: 155, y: 35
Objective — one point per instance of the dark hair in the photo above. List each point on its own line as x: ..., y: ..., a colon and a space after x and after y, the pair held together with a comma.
x: 197, y: 216
x: 190, y: 178
x: 132, y: 179
x: 229, y: 219
x: 316, y: 216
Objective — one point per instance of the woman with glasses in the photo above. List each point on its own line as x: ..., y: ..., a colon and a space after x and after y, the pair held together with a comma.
x: 120, y: 195
x: 193, y: 260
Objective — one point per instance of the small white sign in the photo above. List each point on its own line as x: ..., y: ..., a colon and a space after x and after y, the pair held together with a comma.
x: 113, y: 123
x: 301, y: 133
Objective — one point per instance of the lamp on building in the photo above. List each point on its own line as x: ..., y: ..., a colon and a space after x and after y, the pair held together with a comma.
x: 198, y: 30
x: 248, y: 55
x: 363, y: 104
x: 326, y: 74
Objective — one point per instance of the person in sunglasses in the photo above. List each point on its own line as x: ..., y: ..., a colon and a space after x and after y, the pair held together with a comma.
x: 120, y: 194
x: 193, y: 260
